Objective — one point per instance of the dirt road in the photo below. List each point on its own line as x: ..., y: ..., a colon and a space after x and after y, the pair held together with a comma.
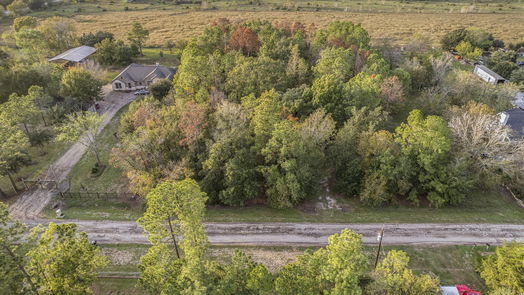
x: 309, y: 234
x: 33, y: 201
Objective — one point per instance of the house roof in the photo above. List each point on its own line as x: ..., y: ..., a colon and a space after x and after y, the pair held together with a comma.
x: 140, y: 73
x: 514, y: 118
x: 490, y: 72
x: 76, y: 54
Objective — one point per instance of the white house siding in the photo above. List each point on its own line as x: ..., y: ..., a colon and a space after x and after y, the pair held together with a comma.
x: 127, y: 86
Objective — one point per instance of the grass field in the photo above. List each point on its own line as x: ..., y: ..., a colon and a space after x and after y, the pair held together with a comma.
x: 401, y: 26
x: 482, y: 207
x: 453, y: 264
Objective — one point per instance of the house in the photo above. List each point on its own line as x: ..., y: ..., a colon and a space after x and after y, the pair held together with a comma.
x: 137, y: 76
x: 514, y: 118
x: 74, y: 56
x: 488, y: 75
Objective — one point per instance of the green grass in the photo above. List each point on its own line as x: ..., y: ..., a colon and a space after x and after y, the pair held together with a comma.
x: 152, y: 56
x: 111, y: 180
x: 482, y: 207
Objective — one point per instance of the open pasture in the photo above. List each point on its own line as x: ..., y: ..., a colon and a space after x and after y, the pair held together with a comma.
x: 400, y: 27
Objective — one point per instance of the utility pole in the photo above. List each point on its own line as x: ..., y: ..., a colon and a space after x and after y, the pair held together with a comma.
x: 380, y: 236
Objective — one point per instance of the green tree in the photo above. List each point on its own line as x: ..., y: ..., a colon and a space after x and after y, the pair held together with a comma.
x: 243, y: 276
x: 344, y: 153
x: 254, y: 76
x: 80, y: 85
x: 338, y: 269
x: 82, y: 127
x: 453, y: 38
x: 294, y: 157
x: 63, y: 261
x: 393, y: 277
x: 426, y: 143
x: 21, y: 22
x: 23, y: 109
x: 93, y: 39
x: 13, y: 273
x: 175, y: 209
x: 337, y: 62
x: 138, y: 36
x: 111, y: 52
x: 332, y: 95
x: 59, y: 34
x: 468, y: 51
x: 160, y: 88
x: 13, y: 149
x: 503, y: 270
x: 342, y: 34
x: 230, y: 173
x: 518, y: 76
x: 18, y: 8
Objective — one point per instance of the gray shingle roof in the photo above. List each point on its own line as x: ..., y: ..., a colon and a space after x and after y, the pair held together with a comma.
x: 76, y: 54
x: 140, y: 73
x: 515, y: 120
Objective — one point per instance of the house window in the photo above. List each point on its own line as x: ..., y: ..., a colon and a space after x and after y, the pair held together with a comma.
x: 118, y: 85
x: 128, y: 85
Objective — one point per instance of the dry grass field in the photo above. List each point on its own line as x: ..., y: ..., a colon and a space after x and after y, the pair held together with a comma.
x: 170, y: 25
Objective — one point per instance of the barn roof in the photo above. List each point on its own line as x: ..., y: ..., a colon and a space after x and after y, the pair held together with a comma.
x: 76, y: 54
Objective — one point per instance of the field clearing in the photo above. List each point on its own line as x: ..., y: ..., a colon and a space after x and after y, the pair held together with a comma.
x: 170, y: 25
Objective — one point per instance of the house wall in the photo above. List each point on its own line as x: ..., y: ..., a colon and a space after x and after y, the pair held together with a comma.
x: 127, y: 86
x: 485, y: 76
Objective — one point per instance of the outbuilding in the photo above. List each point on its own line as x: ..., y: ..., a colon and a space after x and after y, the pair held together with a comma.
x: 488, y: 75
x: 74, y: 56
x: 137, y: 76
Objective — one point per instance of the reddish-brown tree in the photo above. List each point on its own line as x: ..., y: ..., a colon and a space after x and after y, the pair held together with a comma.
x: 192, y: 122
x: 244, y: 40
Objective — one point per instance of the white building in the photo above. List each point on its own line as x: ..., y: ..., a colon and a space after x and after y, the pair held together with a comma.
x: 488, y: 75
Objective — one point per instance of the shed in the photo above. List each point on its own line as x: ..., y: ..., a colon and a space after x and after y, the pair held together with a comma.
x: 488, y: 75
x: 74, y: 55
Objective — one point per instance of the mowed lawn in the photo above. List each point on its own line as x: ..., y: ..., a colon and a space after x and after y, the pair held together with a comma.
x: 482, y: 207
x: 399, y: 26
x: 452, y: 264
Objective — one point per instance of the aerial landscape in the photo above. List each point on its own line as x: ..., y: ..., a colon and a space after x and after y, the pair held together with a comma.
x: 262, y: 147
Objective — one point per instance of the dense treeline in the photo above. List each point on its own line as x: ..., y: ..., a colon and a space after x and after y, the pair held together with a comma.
x: 266, y: 112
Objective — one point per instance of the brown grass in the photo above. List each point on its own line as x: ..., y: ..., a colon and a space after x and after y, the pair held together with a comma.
x: 169, y: 25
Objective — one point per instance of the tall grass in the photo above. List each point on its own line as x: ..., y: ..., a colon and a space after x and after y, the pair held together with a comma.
x: 170, y: 25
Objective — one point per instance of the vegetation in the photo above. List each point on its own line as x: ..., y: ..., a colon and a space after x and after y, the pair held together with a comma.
x: 255, y: 115
x: 55, y: 260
